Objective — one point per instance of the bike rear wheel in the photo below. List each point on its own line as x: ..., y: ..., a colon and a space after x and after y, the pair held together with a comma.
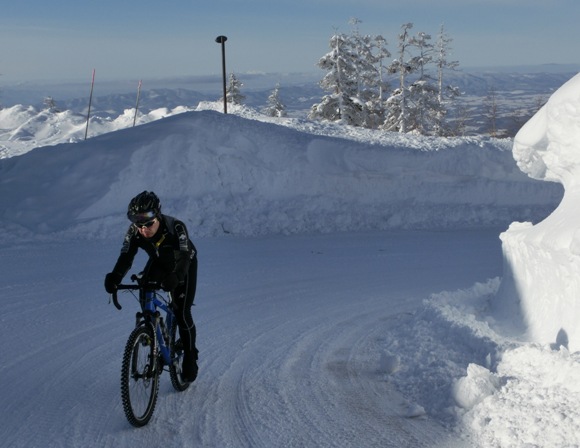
x: 175, y: 367
x: 140, y: 376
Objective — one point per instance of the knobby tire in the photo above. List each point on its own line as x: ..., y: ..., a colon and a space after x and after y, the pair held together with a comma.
x: 140, y: 376
x: 175, y: 367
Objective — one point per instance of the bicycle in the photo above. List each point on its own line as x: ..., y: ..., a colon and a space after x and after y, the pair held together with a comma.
x: 150, y: 348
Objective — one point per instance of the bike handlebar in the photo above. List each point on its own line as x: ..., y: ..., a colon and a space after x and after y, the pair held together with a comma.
x: 140, y: 284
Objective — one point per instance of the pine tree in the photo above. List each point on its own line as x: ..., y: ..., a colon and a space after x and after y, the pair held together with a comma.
x: 233, y: 94
x: 397, y: 116
x: 446, y: 94
x: 422, y: 98
x: 275, y: 106
x: 50, y: 104
x: 351, y: 80
x: 340, y: 82
x: 370, y: 50
x: 377, y: 106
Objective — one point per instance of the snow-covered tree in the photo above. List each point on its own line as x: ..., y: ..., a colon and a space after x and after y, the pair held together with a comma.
x: 351, y: 80
x: 446, y: 94
x: 382, y: 54
x: 358, y: 88
x: 423, y: 105
x: 397, y: 116
x: 233, y: 93
x: 371, y: 50
x: 275, y: 106
x: 50, y: 104
x: 341, y: 83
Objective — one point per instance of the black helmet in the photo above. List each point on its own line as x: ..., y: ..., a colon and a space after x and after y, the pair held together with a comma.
x: 144, y: 207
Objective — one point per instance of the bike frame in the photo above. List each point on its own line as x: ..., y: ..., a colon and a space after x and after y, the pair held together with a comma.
x: 151, y: 303
x: 150, y: 306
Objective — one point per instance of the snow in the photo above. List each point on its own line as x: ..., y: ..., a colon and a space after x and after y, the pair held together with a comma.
x: 543, y: 260
x: 352, y: 284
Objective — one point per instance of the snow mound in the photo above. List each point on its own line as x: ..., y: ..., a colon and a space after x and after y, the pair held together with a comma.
x: 231, y: 175
x: 541, y: 282
x: 537, y: 404
x: 458, y: 364
x: 472, y: 389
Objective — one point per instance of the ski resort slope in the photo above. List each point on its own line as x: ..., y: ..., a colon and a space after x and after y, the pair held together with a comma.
x: 344, y: 290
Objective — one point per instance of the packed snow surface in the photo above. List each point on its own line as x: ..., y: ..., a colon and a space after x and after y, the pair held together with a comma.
x: 347, y: 289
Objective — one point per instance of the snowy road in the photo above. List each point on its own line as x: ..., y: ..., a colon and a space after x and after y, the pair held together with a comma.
x: 289, y: 332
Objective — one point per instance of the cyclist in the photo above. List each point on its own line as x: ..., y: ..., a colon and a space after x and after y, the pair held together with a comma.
x: 172, y: 262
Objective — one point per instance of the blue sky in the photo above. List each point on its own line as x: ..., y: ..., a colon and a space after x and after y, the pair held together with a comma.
x: 131, y: 39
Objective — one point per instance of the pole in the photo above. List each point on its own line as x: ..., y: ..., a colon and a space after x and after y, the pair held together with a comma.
x: 90, y: 101
x: 137, y: 105
x: 222, y: 40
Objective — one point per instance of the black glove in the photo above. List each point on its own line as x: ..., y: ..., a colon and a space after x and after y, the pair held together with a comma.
x: 170, y: 282
x: 112, y: 280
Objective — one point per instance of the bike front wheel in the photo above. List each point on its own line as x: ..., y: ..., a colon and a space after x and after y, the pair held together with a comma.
x: 140, y: 376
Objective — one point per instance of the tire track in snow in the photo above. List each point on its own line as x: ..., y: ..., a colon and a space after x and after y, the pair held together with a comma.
x: 307, y: 383
x: 347, y: 400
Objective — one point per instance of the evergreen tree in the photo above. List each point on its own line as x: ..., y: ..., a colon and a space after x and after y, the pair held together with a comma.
x: 397, y: 116
x: 233, y: 94
x: 50, y: 104
x: 351, y: 80
x: 445, y: 94
x: 341, y: 81
x: 422, y: 93
x: 275, y: 107
x: 357, y: 85
x: 377, y: 106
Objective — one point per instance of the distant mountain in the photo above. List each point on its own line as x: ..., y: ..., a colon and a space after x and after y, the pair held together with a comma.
x: 149, y: 100
x: 518, y: 90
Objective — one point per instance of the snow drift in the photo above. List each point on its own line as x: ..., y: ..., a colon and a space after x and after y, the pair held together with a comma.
x: 227, y: 174
x: 542, y: 261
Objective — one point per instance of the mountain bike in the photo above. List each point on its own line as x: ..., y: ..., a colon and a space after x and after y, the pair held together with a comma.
x: 150, y: 349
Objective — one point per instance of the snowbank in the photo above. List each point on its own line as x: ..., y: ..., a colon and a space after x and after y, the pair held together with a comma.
x: 542, y: 262
x: 226, y: 174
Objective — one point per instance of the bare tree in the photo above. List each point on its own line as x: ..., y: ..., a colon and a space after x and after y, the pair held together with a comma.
x: 490, y: 111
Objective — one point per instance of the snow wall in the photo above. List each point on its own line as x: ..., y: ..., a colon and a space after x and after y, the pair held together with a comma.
x: 541, y: 281
x: 229, y: 175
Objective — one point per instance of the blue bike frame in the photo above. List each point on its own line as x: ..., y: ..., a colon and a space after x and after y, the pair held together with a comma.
x: 150, y: 307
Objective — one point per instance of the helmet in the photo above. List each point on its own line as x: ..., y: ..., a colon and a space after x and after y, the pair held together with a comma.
x: 144, y: 207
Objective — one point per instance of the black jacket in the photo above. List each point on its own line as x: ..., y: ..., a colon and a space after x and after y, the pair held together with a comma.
x: 170, y: 250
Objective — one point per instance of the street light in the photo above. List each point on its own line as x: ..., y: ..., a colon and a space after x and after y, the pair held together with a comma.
x: 222, y: 40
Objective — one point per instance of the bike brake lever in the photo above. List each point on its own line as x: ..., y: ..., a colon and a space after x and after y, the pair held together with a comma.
x: 115, y: 301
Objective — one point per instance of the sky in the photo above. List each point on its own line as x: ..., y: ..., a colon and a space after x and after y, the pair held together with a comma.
x: 144, y: 39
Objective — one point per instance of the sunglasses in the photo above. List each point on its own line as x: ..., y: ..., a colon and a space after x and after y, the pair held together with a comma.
x: 137, y: 218
x: 143, y: 225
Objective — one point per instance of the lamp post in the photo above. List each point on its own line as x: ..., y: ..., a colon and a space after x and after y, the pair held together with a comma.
x: 222, y: 40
